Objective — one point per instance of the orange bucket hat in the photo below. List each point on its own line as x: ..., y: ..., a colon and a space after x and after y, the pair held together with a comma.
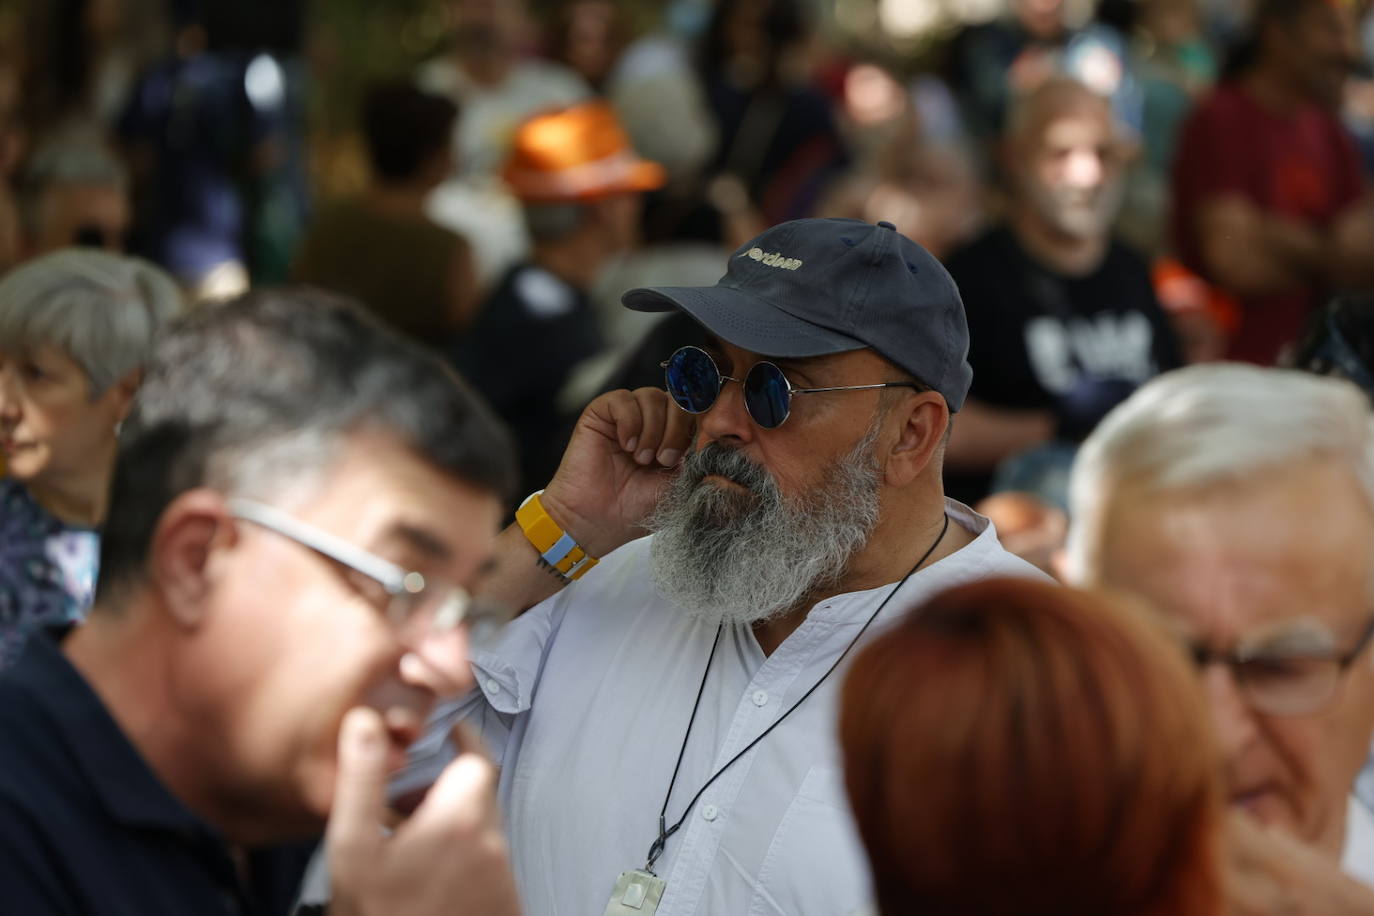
x: 577, y: 154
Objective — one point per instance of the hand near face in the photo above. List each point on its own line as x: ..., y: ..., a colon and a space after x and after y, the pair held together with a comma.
x: 622, y: 454
x: 448, y: 857
x: 1270, y: 873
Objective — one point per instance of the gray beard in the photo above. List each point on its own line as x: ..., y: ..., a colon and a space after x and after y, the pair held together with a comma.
x: 1078, y: 215
x: 743, y: 555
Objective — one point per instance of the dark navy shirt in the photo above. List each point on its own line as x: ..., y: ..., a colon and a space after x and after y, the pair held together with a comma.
x: 85, y: 825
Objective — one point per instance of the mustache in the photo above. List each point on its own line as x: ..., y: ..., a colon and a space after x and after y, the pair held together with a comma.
x: 714, y: 459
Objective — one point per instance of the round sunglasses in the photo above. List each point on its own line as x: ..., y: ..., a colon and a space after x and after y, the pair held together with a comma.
x: 694, y: 381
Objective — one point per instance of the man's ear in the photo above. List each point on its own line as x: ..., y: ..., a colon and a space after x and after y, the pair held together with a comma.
x: 190, y: 530
x: 924, y: 419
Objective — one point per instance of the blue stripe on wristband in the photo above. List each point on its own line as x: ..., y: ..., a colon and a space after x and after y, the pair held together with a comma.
x: 560, y: 549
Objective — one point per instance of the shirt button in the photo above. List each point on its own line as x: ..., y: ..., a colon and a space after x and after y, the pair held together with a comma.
x: 760, y: 697
x: 710, y: 812
x: 493, y: 687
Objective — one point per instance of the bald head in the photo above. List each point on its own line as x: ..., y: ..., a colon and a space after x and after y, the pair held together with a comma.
x: 1064, y: 156
x: 1056, y: 99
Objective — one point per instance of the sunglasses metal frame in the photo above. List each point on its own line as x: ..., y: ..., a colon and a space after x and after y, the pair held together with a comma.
x: 394, y: 580
x: 791, y: 389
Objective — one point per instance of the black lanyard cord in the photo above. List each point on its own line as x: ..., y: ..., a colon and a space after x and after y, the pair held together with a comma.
x: 664, y: 832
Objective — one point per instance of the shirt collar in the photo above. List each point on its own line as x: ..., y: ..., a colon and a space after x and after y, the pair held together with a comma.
x: 966, y: 562
x: 1357, y: 858
x: 16, y: 499
x: 116, y: 773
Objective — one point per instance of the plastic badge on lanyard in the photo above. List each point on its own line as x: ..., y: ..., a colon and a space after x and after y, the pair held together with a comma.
x: 636, y: 893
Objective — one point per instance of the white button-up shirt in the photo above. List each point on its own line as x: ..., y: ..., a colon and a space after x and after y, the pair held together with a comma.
x: 585, y: 702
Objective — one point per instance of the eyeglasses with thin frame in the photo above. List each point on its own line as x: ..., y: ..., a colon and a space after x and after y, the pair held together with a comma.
x: 1284, y: 684
x: 694, y: 381
x: 417, y: 605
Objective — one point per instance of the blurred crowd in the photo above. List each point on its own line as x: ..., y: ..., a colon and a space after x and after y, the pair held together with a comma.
x: 1158, y: 182
x: 1096, y: 254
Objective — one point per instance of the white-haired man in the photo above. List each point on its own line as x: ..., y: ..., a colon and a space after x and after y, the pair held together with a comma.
x: 1239, y: 502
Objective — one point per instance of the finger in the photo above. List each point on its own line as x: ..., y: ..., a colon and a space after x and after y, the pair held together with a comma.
x: 466, y: 740
x: 1249, y: 846
x: 653, y: 411
x: 461, y: 801
x: 622, y: 411
x: 353, y: 837
x: 679, y: 430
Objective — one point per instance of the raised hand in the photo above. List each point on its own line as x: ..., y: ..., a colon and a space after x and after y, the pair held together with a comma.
x: 448, y: 857
x: 623, y: 453
x: 1269, y: 873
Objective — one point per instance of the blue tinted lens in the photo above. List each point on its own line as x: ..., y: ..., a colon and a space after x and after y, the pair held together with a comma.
x: 692, y: 379
x: 766, y: 395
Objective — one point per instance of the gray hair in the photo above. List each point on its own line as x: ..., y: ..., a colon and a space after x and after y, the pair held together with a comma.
x: 100, y: 309
x: 71, y: 159
x: 1212, y: 424
x: 1059, y: 96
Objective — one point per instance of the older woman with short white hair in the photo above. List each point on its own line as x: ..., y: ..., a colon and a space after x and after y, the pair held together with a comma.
x: 75, y: 329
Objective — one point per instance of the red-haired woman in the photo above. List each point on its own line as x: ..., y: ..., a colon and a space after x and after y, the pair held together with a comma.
x: 1017, y: 748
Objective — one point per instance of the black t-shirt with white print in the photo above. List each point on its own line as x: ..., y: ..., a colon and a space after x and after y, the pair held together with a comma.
x: 1036, y: 336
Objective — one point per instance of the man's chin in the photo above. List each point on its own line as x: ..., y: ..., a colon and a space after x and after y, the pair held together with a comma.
x: 1082, y: 226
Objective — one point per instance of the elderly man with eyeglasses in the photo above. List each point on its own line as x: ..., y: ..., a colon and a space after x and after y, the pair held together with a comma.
x: 300, y: 504
x: 1239, y: 503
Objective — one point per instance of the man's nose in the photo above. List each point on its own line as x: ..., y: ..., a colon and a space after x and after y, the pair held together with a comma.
x: 1084, y: 168
x: 727, y: 419
x: 438, y: 662
x: 1232, y: 716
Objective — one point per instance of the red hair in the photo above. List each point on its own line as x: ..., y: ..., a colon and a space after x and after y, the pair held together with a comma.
x: 1016, y: 747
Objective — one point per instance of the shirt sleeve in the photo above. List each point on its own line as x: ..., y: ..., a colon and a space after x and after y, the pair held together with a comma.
x: 506, y: 675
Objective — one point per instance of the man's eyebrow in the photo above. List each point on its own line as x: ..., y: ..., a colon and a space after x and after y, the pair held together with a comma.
x: 419, y: 539
x: 806, y: 363
x: 1299, y: 636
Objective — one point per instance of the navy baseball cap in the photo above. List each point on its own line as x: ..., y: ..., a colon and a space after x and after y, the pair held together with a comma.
x: 811, y: 287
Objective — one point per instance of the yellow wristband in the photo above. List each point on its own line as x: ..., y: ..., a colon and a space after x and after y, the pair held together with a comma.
x: 556, y: 547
